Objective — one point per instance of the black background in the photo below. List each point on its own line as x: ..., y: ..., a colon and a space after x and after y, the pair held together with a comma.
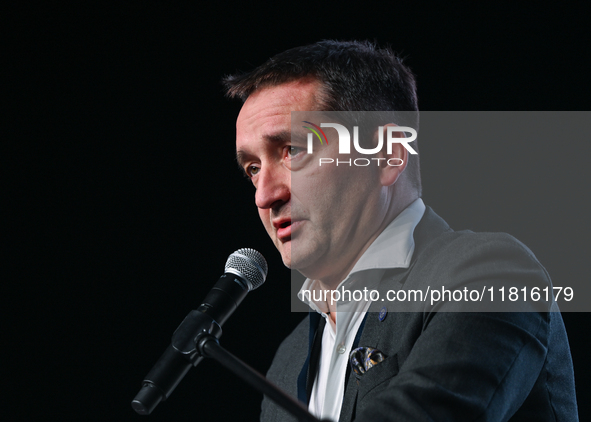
x: 124, y: 200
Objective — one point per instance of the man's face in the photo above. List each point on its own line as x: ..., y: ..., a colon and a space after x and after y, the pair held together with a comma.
x: 320, y: 218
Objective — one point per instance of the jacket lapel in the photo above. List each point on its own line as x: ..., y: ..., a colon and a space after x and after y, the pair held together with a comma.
x: 430, y: 226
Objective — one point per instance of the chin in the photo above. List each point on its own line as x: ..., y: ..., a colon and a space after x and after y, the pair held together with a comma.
x: 297, y: 256
x: 285, y: 251
x: 286, y: 257
x: 293, y: 261
x: 298, y: 261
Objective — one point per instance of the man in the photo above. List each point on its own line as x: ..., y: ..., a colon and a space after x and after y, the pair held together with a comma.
x: 344, y: 226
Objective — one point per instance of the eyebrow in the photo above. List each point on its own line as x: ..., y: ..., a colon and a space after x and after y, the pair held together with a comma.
x: 276, y: 138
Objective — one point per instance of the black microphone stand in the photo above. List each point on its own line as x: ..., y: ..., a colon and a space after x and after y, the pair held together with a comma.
x: 209, y: 346
x: 187, y: 349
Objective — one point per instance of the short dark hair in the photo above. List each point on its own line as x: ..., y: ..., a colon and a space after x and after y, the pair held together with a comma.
x: 355, y: 76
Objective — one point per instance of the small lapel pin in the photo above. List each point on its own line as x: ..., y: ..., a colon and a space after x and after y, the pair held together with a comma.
x: 383, y: 313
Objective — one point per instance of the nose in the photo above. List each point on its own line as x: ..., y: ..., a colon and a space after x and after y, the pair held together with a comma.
x: 273, y: 187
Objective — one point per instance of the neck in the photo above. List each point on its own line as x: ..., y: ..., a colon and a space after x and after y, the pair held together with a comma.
x: 331, y: 281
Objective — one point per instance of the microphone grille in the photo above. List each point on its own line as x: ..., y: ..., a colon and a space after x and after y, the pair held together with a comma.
x: 249, y: 264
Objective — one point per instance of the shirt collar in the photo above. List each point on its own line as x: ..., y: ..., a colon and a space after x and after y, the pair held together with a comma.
x: 393, y: 248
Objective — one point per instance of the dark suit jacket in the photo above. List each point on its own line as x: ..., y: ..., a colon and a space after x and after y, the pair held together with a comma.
x: 452, y: 366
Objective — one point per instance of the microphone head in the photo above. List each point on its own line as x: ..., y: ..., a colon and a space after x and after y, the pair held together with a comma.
x: 250, y: 265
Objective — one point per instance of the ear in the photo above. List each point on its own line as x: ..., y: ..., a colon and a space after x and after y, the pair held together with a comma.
x: 395, y: 162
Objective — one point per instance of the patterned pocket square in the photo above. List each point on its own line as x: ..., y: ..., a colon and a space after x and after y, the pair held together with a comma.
x: 363, y: 358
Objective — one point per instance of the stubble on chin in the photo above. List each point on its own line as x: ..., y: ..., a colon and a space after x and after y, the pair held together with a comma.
x: 285, y: 251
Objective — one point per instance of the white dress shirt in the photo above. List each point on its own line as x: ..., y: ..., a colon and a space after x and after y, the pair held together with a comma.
x: 393, y: 248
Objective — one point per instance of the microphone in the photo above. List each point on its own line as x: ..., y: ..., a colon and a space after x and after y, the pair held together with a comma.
x: 245, y: 270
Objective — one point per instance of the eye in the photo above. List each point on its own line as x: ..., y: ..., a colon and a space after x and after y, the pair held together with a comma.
x: 252, y: 171
x: 294, y: 158
x: 294, y: 151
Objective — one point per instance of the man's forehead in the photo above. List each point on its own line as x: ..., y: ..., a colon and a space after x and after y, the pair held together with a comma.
x: 266, y: 114
x: 297, y: 95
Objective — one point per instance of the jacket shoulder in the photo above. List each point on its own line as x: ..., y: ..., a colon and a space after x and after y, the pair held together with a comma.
x: 290, y: 355
x: 285, y: 368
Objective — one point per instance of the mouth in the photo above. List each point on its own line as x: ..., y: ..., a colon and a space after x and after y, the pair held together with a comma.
x: 283, y: 227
